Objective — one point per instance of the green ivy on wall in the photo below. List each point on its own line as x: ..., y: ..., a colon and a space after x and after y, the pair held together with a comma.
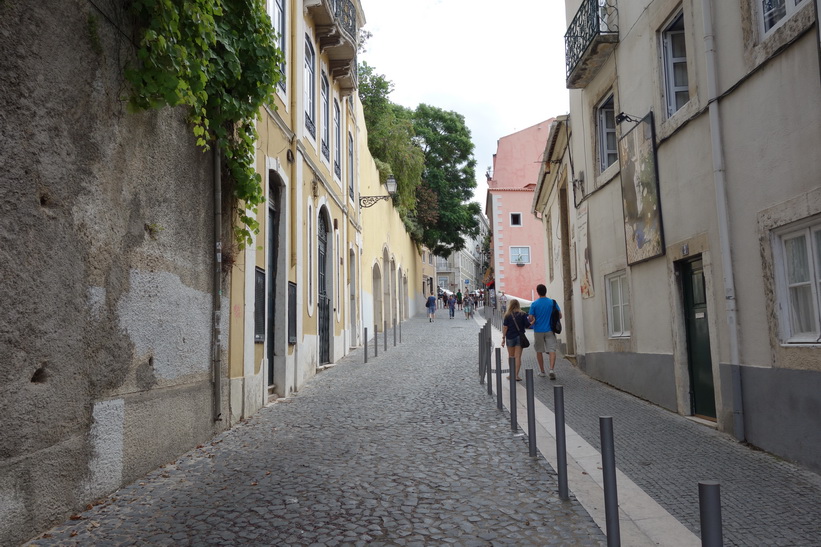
x: 219, y: 58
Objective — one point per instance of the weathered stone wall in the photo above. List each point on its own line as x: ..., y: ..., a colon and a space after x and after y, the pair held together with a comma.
x: 106, y: 249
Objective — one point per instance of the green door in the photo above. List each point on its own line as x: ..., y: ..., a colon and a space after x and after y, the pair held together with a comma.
x: 702, y: 393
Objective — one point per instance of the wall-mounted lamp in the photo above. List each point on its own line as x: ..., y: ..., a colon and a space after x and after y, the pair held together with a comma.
x: 368, y: 201
x: 622, y: 117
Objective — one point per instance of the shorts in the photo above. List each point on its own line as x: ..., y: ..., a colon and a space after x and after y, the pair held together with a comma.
x: 544, y: 342
x: 513, y: 342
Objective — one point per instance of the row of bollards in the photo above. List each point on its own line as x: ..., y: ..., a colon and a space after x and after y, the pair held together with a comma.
x: 708, y: 491
x: 396, y: 325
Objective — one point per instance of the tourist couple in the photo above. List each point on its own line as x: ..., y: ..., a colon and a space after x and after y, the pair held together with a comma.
x: 515, y: 323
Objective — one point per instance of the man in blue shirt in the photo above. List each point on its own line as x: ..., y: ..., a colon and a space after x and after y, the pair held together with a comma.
x: 544, y: 338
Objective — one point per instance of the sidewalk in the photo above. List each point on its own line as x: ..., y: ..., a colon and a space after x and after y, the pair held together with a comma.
x: 661, y: 457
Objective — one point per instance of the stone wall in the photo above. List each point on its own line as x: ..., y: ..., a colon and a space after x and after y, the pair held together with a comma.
x: 106, y: 253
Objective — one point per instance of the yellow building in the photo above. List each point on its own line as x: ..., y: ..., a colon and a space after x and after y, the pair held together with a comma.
x: 299, y: 295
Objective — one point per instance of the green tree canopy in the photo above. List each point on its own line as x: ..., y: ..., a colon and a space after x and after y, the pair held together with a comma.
x: 449, y: 175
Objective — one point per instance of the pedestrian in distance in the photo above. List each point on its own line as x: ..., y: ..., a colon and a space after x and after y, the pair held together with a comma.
x: 514, y: 323
x: 431, y: 305
x: 459, y: 300
x: 452, y: 306
x: 544, y: 339
x: 503, y: 303
x: 468, y: 307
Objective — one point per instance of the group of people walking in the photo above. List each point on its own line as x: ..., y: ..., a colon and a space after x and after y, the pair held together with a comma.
x: 542, y: 320
x: 452, y: 302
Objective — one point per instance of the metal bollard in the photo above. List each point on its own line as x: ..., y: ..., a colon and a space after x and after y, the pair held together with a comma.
x: 499, y: 404
x: 531, y: 413
x: 709, y: 504
x: 488, y: 359
x: 385, y: 334
x: 375, y: 340
x: 394, y: 333
x: 481, y: 376
x: 561, y: 442
x: 514, y: 424
x: 366, y: 344
x: 400, y: 332
x: 611, y: 496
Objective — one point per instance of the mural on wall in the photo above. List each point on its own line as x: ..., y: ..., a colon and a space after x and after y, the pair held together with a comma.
x: 586, y: 281
x: 639, y: 190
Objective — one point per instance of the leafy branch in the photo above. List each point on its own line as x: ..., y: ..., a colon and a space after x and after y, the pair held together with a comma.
x: 219, y: 58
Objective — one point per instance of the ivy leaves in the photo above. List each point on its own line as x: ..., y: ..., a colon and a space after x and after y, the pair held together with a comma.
x: 220, y: 59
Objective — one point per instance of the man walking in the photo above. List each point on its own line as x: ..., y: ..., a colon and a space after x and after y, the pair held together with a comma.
x: 541, y: 310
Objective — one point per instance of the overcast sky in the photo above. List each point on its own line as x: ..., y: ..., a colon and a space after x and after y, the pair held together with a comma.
x: 499, y: 64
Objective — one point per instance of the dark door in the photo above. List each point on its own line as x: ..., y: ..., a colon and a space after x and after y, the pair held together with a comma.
x: 273, y: 254
x: 323, y: 302
x: 702, y: 392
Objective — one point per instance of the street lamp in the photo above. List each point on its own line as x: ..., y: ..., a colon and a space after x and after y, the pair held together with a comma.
x: 368, y: 201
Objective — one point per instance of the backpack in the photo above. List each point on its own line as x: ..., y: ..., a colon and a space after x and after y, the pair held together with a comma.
x: 555, y: 320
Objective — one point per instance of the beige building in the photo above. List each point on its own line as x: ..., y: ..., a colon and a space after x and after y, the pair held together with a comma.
x: 686, y: 183
x: 324, y: 265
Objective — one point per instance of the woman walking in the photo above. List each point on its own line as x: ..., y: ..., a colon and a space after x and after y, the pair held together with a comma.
x: 468, y: 302
x: 513, y: 328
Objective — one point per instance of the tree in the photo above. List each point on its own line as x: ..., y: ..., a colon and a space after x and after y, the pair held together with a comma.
x: 391, y: 137
x: 449, y: 176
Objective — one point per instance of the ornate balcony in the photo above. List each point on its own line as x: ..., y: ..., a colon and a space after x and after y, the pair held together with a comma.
x: 337, y: 28
x: 591, y: 37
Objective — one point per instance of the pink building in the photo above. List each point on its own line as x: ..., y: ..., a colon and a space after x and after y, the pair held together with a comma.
x: 518, y: 243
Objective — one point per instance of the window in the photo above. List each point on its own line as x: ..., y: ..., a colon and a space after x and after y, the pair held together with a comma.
x: 259, y: 306
x: 430, y: 258
x: 350, y: 165
x: 676, y: 83
x: 337, y: 140
x: 310, y: 87
x: 606, y: 128
x: 515, y: 219
x: 520, y: 255
x: 798, y: 257
x: 618, y: 305
x: 276, y: 11
x: 326, y: 117
x: 773, y: 12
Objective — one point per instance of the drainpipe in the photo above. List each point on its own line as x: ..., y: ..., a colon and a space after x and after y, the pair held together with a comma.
x: 723, y: 216
x: 217, y: 289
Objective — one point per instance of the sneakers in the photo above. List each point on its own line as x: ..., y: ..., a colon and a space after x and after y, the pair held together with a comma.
x: 552, y: 375
x: 542, y: 374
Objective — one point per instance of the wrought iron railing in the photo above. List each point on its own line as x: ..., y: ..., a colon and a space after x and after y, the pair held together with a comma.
x: 345, y: 12
x: 310, y: 125
x: 595, y: 17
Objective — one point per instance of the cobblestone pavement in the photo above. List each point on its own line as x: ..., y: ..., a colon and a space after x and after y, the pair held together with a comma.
x: 406, y: 450
x: 764, y: 500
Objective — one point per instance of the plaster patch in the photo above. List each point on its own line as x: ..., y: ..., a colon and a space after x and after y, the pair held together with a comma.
x: 168, y: 321
x: 96, y: 300
x: 12, y: 509
x: 106, y: 437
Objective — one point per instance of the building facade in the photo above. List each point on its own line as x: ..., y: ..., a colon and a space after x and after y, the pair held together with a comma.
x: 686, y: 183
x: 518, y: 248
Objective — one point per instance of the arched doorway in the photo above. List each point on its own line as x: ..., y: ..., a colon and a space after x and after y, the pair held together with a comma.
x: 323, y: 296
x: 352, y: 292
x: 274, y: 240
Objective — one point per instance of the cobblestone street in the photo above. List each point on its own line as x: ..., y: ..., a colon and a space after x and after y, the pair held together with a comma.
x: 405, y: 450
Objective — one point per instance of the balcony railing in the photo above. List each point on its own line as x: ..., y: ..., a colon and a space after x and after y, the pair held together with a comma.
x: 338, y: 33
x: 591, y: 37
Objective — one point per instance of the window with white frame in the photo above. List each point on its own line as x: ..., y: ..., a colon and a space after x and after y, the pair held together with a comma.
x: 674, y: 52
x: 515, y: 219
x: 310, y: 87
x: 618, y: 305
x: 772, y: 13
x: 520, y: 255
x: 798, y: 276
x: 326, y: 117
x: 276, y: 11
x: 350, y: 165
x: 606, y: 133
x: 337, y: 140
